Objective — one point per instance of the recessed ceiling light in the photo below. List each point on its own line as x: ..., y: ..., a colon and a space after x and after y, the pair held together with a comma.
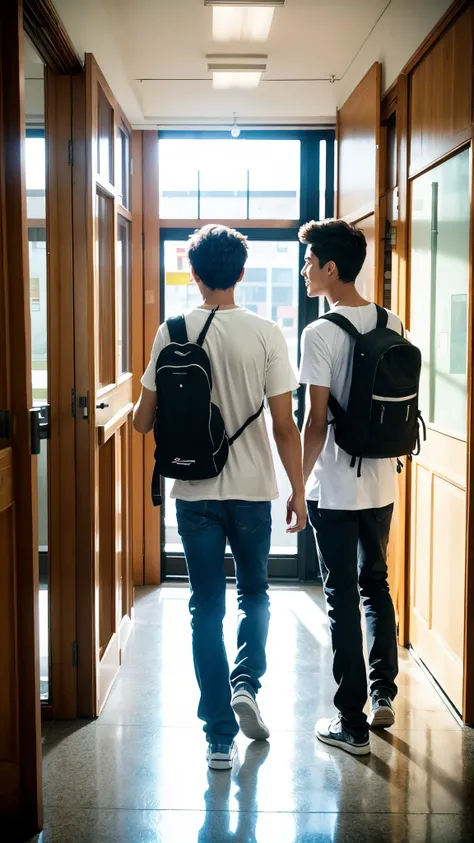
x: 236, y: 71
x: 223, y: 80
x: 238, y: 23
x: 274, y: 3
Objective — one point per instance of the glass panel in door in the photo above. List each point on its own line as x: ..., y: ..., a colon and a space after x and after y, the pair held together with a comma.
x: 269, y: 288
x: 35, y: 175
x: 439, y: 294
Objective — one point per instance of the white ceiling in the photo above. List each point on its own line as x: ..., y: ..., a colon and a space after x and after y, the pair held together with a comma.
x: 166, y: 41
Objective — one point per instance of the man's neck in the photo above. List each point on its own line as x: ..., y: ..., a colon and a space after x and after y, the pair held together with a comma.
x: 345, y: 295
x: 223, y: 299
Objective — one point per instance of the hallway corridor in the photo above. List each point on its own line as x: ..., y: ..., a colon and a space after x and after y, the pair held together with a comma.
x: 138, y: 774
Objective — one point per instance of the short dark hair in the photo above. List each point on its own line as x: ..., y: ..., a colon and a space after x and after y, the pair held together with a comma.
x: 336, y: 240
x: 218, y: 255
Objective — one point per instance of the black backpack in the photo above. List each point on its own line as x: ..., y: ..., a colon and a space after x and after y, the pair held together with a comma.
x: 382, y: 418
x: 190, y: 436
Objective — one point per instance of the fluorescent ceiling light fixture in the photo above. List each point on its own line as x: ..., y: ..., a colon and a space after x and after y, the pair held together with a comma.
x: 238, y: 23
x: 251, y: 3
x: 236, y: 71
x: 223, y: 80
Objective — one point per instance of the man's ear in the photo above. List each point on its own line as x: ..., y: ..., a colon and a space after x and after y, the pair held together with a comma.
x: 331, y: 268
x: 239, y: 279
x: 195, y: 276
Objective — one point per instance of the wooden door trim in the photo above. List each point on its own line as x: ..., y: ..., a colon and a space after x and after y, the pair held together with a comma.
x: 47, y: 32
x: 468, y: 677
x: 152, y: 314
x: 15, y: 268
x: 107, y: 430
x: 85, y: 538
x: 400, y: 295
x: 61, y: 462
x: 137, y: 447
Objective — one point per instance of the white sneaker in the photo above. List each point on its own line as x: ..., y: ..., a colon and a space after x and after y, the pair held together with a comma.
x: 382, y: 715
x: 221, y: 756
x: 246, y: 709
x: 333, y: 733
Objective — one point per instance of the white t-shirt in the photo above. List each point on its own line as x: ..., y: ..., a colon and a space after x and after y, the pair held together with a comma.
x: 326, y: 360
x: 249, y: 360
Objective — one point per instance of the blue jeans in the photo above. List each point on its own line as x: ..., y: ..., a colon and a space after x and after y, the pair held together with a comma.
x: 204, y: 527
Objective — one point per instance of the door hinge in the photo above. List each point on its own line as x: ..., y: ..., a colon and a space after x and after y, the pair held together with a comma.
x: 84, y: 406
x: 74, y: 654
x: 73, y: 403
x: 5, y: 429
x: 69, y: 152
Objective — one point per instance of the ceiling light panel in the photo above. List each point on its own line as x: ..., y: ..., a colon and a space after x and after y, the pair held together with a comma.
x: 223, y: 80
x: 238, y: 23
x: 274, y: 3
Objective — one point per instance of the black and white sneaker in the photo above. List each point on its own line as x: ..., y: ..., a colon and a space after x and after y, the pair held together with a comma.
x: 247, y: 711
x: 382, y: 715
x: 333, y: 733
x: 221, y: 756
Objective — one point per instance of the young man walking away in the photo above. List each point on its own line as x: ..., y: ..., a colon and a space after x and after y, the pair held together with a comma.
x: 249, y: 362
x: 350, y: 507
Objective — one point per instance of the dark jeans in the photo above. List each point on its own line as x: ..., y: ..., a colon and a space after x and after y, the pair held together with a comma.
x: 352, y: 550
x: 204, y: 527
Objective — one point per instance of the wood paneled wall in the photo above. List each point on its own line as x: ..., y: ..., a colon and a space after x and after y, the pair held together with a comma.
x: 358, y: 129
x: 441, y: 96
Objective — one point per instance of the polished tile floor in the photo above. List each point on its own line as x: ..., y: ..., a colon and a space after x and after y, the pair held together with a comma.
x: 138, y: 773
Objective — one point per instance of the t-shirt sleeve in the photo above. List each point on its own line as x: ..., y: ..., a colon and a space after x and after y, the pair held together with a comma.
x: 148, y: 379
x: 279, y: 375
x: 315, y: 367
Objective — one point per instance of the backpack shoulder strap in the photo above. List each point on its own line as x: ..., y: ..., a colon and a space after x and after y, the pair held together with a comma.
x: 343, y: 323
x: 177, y: 330
x: 251, y: 419
x: 382, y: 316
x: 202, y: 335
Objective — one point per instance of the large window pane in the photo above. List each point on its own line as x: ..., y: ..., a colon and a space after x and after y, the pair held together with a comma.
x: 439, y: 289
x: 229, y: 179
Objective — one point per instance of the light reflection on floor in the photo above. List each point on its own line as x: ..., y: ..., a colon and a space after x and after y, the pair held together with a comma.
x: 138, y: 773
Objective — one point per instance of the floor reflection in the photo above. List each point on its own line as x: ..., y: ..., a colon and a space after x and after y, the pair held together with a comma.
x: 138, y: 774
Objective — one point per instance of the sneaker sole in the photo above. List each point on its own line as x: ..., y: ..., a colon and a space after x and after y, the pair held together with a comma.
x: 214, y: 764
x: 383, y: 718
x: 363, y: 749
x: 251, y: 724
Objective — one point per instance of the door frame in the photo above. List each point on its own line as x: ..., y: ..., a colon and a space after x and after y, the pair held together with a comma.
x: 401, y: 300
x: 44, y: 28
x: 21, y: 775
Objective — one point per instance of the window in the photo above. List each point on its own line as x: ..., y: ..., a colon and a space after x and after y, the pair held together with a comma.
x: 229, y: 179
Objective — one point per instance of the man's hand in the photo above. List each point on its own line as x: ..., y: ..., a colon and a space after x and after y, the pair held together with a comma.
x: 296, y: 506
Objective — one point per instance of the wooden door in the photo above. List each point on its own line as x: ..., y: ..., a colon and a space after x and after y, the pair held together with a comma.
x: 20, y: 727
x: 440, y: 291
x: 104, y: 385
x: 358, y: 172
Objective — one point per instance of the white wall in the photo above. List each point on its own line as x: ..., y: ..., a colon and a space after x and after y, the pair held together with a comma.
x: 397, y: 36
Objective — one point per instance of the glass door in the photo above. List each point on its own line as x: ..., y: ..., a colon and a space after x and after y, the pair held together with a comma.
x: 35, y: 172
x: 271, y: 289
